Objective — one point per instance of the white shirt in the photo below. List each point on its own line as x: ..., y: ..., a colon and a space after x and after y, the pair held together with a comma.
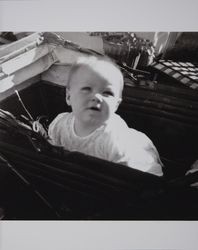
x: 114, y: 141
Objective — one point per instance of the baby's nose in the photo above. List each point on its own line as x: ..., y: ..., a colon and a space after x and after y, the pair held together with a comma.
x: 97, y: 97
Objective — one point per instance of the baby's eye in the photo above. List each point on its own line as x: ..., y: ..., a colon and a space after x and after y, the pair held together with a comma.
x: 86, y: 89
x: 108, y: 93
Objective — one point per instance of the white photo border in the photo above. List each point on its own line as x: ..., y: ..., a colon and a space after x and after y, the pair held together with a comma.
x: 103, y: 15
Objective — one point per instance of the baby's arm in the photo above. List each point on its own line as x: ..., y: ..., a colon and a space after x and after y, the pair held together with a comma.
x: 54, y: 130
x: 136, y: 150
x: 154, y: 162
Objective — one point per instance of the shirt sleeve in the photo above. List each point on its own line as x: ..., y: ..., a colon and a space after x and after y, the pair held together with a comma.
x: 150, y: 156
x: 54, y: 130
x: 136, y: 150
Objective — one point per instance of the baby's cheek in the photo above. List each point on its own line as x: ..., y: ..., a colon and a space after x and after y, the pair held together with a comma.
x: 110, y: 110
x: 113, y: 105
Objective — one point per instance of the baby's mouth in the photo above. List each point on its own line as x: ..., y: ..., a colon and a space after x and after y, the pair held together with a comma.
x: 95, y: 108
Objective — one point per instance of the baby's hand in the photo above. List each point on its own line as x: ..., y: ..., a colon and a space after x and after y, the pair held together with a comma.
x: 38, y: 128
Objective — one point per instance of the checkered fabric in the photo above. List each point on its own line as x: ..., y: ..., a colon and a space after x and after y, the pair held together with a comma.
x: 184, y: 72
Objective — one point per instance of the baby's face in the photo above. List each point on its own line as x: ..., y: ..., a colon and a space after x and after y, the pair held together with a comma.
x: 93, y: 96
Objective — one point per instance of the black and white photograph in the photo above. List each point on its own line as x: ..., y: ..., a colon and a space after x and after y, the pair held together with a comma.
x: 99, y: 126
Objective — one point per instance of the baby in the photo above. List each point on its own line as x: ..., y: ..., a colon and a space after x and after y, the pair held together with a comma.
x: 94, y: 92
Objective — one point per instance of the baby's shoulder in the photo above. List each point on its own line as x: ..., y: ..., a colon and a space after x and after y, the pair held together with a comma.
x: 139, y: 138
x: 116, y: 124
x: 139, y: 135
x: 60, y: 121
x: 131, y: 136
x: 62, y: 117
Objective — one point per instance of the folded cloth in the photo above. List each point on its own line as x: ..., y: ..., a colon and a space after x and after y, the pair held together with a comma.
x: 193, y: 169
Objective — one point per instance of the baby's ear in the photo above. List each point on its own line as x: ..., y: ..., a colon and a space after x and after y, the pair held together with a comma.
x: 68, y: 97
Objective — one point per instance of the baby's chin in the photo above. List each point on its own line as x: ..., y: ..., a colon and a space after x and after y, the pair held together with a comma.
x: 95, y: 121
x: 95, y: 116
